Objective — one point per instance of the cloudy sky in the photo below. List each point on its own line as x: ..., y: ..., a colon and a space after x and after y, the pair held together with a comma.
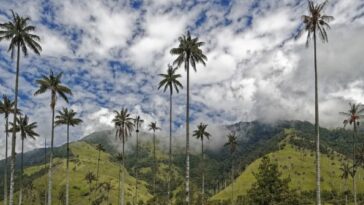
x: 111, y: 53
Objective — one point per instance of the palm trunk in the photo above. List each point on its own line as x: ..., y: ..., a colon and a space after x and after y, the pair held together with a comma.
x: 13, y: 139
x: 188, y: 134
x: 123, y: 176
x: 203, y: 173
x: 170, y: 149
x: 354, y: 164
x: 154, y: 165
x: 346, y: 191
x: 89, y: 195
x: 136, y: 166
x: 317, y: 128
x: 232, y: 183
x: 119, y: 196
x: 50, y: 162
x: 97, y: 172
x: 45, y: 168
x: 21, y: 172
x: 6, y: 162
x: 68, y: 169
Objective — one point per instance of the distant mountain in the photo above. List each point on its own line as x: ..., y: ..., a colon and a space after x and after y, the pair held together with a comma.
x: 256, y: 139
x: 295, y: 162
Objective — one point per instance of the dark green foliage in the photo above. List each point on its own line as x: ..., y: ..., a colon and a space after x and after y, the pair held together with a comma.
x: 269, y: 188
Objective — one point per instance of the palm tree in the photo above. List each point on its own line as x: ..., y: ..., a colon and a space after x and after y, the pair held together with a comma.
x: 345, y: 172
x: 99, y: 148
x: 119, y: 158
x: 232, y: 143
x: 6, y: 108
x: 107, y: 187
x: 68, y: 118
x: 54, y: 85
x: 90, y: 177
x: 124, y: 126
x: 26, y: 130
x: 353, y: 116
x: 19, y: 33
x: 313, y: 23
x: 170, y: 81
x: 137, y: 122
x: 188, y: 53
x: 201, y: 133
x: 153, y: 126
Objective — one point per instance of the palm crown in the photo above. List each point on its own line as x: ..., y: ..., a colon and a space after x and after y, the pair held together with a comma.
x: 53, y: 83
x: 170, y: 80
x: 67, y: 117
x: 189, y: 51
x: 200, y: 132
x: 99, y: 147
x: 123, y: 124
x: 6, y: 106
x: 153, y: 126
x: 25, y: 128
x: 354, y: 114
x: 18, y: 31
x: 138, y: 122
x: 316, y: 21
x: 232, y: 142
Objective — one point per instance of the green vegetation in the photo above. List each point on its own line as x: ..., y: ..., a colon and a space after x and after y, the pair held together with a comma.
x: 298, y: 165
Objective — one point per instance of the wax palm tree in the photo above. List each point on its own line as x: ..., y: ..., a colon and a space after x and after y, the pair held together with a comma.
x: 61, y: 196
x: 201, y: 133
x: 124, y: 126
x: 26, y: 130
x: 107, y: 187
x: 315, y: 24
x: 19, y: 33
x: 90, y: 177
x: 99, y: 148
x: 188, y: 53
x: 53, y: 84
x: 67, y: 117
x: 232, y: 144
x: 6, y: 108
x: 170, y: 81
x: 119, y: 158
x: 345, y: 173
x: 353, y: 116
x: 137, y: 123
x: 153, y: 127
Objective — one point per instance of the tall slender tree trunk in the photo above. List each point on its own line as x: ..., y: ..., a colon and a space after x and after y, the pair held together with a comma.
x: 232, y: 184
x: 21, y: 172
x: 119, y: 196
x: 188, y: 134
x: 170, y: 149
x: 6, y: 162
x: 317, y: 128
x: 51, y: 161
x: 97, y: 173
x: 346, y: 191
x: 203, y: 173
x: 154, y: 165
x: 354, y: 166
x: 13, y: 139
x: 136, y: 166
x: 123, y: 175
x: 68, y: 168
x: 45, y: 168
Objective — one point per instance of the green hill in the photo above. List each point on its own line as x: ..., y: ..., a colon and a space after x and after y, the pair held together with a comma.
x: 84, y: 160
x: 297, y: 164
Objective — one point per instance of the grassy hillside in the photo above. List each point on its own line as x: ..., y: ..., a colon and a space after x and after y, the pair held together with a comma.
x: 84, y: 160
x: 298, y: 164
